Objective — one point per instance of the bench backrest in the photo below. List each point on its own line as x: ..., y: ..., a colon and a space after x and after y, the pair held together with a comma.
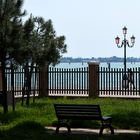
x: 78, y: 111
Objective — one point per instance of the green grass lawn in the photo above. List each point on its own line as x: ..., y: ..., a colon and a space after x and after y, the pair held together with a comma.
x: 28, y: 122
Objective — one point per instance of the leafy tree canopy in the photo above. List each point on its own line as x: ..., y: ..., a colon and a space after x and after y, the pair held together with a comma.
x: 42, y: 44
x: 32, y: 42
x: 10, y: 28
x: 35, y: 40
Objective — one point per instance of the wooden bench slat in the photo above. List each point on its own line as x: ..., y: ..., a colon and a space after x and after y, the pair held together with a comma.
x: 75, y: 112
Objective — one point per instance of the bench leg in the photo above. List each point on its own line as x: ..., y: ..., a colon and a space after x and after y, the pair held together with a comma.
x: 101, y: 131
x: 61, y: 124
x: 106, y: 126
x: 69, y: 130
x: 57, y: 129
x: 112, y: 130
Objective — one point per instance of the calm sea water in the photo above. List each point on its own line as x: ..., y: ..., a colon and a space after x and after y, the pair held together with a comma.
x: 112, y: 65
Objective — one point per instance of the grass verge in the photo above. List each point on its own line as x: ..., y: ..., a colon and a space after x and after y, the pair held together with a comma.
x: 28, y: 122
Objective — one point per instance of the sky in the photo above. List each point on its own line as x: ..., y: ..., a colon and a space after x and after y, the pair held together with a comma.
x: 90, y: 26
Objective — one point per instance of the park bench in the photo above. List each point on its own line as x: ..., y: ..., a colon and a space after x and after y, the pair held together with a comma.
x: 67, y: 112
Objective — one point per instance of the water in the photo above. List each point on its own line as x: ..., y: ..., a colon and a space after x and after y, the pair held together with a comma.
x: 112, y: 65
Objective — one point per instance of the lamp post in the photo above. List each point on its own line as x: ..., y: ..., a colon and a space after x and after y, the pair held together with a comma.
x: 125, y: 43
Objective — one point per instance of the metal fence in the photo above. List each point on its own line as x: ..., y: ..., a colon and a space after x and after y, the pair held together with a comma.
x: 75, y: 82
x: 114, y: 83
x: 68, y: 82
x: 16, y: 81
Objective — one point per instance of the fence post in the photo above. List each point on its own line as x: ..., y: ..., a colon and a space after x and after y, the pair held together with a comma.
x: 93, y: 79
x: 43, y: 81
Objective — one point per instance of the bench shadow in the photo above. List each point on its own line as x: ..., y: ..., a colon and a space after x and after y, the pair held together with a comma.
x: 30, y: 130
x: 82, y: 135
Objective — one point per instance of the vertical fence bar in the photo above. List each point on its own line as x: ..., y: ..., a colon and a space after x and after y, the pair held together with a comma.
x: 101, y: 79
x: 120, y: 82
x: 67, y: 77
x: 56, y: 80
x: 79, y: 81
x: 106, y: 75
x: 74, y: 86
x: 82, y: 72
x: 114, y: 81
x: 136, y: 83
x: 52, y: 79
x: 133, y: 80
x: 123, y: 90
x: 65, y: 82
x: 70, y: 79
x: 60, y: 82
x: 104, y: 81
x: 139, y: 80
x: 85, y: 77
x: 117, y: 80
x: 22, y: 81
x: 109, y: 80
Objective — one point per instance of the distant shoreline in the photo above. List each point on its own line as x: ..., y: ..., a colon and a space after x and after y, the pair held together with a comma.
x: 113, y: 59
x: 96, y: 61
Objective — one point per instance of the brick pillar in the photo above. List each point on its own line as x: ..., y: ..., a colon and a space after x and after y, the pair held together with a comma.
x: 43, y: 82
x: 93, y: 79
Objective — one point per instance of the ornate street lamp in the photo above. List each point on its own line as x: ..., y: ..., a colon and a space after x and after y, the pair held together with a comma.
x: 125, y: 43
x: 124, y: 30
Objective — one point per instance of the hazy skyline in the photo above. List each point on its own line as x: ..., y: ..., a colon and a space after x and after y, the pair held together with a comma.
x: 90, y: 26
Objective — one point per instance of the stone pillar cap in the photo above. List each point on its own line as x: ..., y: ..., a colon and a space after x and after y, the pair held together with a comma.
x: 94, y: 63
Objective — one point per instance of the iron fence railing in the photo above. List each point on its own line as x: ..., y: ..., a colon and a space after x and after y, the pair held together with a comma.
x: 113, y: 82
x: 17, y: 82
x: 69, y: 82
x: 75, y: 82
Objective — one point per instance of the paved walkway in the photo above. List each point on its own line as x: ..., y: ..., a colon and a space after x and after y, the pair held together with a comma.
x: 86, y: 130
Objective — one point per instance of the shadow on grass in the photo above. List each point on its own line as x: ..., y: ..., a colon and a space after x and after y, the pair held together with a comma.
x: 30, y: 130
x: 127, y: 120
x: 8, y: 117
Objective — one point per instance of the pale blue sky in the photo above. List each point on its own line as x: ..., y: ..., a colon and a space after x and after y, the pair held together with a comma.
x: 90, y: 26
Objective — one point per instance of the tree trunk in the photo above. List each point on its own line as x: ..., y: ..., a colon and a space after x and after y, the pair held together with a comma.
x: 4, y: 86
x: 29, y: 76
x: 12, y: 86
x: 27, y: 83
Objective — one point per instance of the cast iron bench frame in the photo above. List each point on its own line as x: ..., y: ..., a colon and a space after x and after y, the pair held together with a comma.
x: 67, y: 112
